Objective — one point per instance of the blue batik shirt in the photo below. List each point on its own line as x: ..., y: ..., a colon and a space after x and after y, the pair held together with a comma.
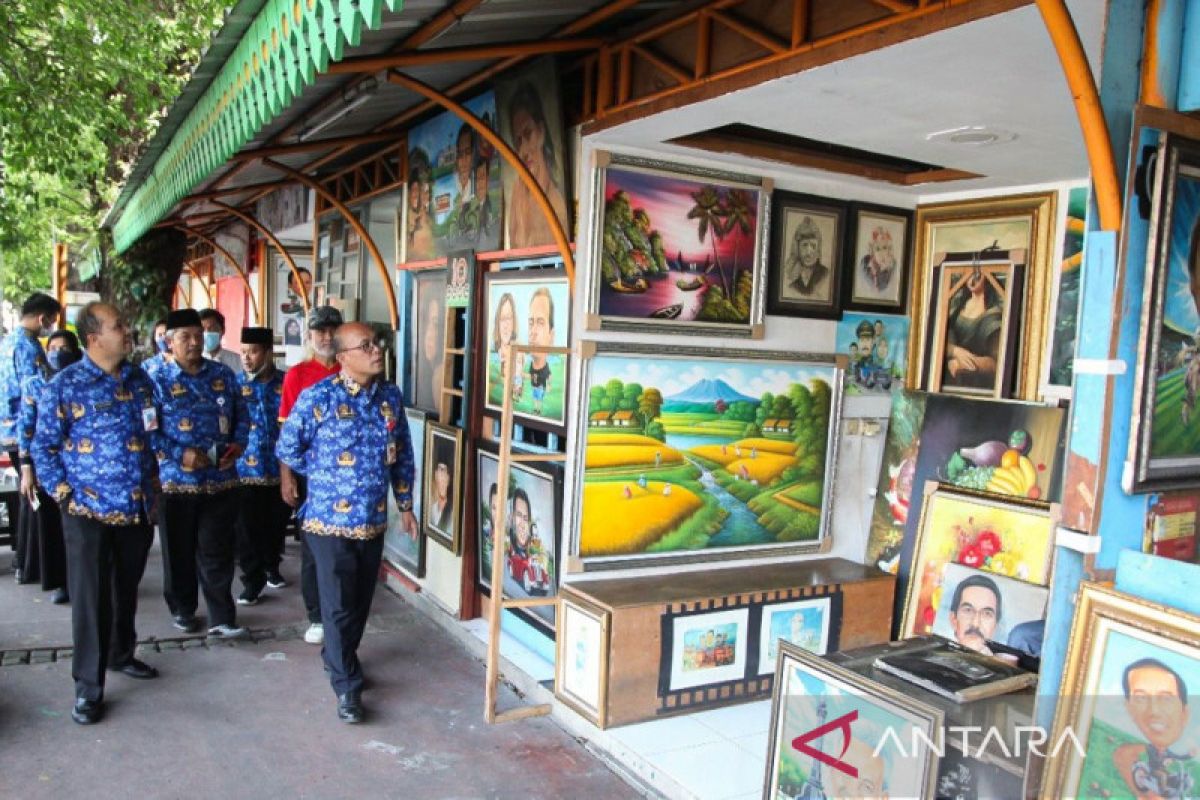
x: 21, y: 357
x: 352, y: 443
x: 91, y: 447
x: 258, y: 465
x: 31, y: 392
x: 154, y: 364
x: 198, y: 411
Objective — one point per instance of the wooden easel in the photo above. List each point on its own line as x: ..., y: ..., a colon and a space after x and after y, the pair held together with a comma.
x: 500, y: 541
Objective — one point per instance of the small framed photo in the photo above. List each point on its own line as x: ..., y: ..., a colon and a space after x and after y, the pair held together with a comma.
x: 409, y: 553
x: 804, y: 623
x: 880, y: 242
x: 460, y: 276
x: 813, y: 695
x: 443, y: 482
x: 807, y: 234
x: 581, y: 668
x: 709, y: 648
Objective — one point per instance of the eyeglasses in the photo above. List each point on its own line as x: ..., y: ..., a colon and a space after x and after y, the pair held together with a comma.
x: 367, y: 346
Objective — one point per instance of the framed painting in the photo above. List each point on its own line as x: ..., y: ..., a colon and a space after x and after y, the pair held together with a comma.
x: 460, y: 277
x: 533, y: 529
x: 427, y: 316
x: 974, y: 303
x: 880, y: 239
x: 405, y: 552
x: 453, y: 189
x: 861, y: 717
x: 980, y: 609
x: 1123, y: 714
x: 441, y: 515
x: 1164, y: 444
x: 688, y: 455
x: 893, y: 494
x: 803, y: 623
x: 1011, y: 539
x: 1066, y: 295
x: 676, y: 249
x: 581, y: 666
x: 876, y: 346
x: 807, y: 234
x: 709, y: 647
x: 529, y: 105
x: 530, y: 307
x: 1017, y: 230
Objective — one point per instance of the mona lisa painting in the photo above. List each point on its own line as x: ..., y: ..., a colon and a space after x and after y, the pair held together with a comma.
x: 972, y: 350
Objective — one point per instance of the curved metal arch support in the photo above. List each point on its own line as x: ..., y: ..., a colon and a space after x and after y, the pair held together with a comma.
x: 507, y: 153
x: 270, y: 237
x: 1096, y: 138
x: 241, y: 271
x: 180, y: 295
x: 203, y: 285
x: 352, y: 221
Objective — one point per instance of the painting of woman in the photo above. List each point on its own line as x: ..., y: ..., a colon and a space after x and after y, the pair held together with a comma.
x: 974, y: 334
x: 531, y: 124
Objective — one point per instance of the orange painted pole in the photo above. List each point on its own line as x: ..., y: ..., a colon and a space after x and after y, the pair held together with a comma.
x: 241, y: 271
x: 508, y: 154
x: 352, y: 221
x: 1082, y: 84
x: 270, y: 237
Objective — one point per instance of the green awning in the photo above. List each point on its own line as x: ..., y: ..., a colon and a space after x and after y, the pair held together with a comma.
x: 289, y: 43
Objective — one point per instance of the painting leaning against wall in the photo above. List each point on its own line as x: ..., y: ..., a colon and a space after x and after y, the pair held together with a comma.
x: 692, y: 457
x: 1066, y: 312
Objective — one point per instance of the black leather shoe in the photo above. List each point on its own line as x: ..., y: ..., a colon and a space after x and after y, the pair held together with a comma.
x: 136, y: 669
x: 350, y: 708
x: 86, y: 711
x: 187, y: 623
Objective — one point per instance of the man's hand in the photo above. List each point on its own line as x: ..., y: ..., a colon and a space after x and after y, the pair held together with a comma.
x: 194, y: 459
x: 230, y: 456
x: 28, y: 484
x: 288, y: 488
x: 408, y: 521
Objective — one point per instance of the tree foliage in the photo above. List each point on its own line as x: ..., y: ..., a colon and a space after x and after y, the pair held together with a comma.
x: 83, y: 86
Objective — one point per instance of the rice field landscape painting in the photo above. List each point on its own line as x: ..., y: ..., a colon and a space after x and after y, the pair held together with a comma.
x: 693, y: 457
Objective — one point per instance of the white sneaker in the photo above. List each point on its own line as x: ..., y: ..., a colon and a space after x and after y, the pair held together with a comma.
x: 227, y: 632
x: 315, y: 633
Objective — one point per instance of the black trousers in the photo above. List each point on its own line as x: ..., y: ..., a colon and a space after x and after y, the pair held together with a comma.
x: 262, y: 518
x: 197, y: 549
x: 105, y: 566
x: 347, y: 571
x: 309, y: 588
x: 41, y: 554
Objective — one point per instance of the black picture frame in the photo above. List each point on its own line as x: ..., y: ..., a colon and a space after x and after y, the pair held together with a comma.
x: 856, y: 297
x: 789, y: 210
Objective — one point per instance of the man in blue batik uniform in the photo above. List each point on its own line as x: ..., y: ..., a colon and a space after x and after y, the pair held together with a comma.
x: 91, y: 451
x: 262, y: 514
x: 348, y: 435
x: 21, y: 358
x: 202, y: 432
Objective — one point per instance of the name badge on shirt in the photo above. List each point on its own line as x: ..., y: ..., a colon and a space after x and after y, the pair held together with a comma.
x: 224, y: 423
x: 149, y: 419
x: 391, y: 453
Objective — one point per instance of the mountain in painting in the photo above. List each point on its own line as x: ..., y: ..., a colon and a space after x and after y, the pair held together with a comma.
x: 706, y: 391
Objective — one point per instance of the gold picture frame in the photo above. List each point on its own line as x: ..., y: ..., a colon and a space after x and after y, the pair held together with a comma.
x: 1024, y: 221
x: 1109, y: 628
x: 568, y: 606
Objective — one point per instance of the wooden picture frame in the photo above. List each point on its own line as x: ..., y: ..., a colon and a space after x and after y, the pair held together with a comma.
x: 806, y: 226
x: 1009, y: 537
x: 641, y: 278
x: 409, y: 555
x: 811, y: 692
x: 1011, y: 223
x: 538, y: 574
x: 582, y: 658
x: 1164, y: 442
x: 1119, y: 643
x: 427, y: 343
x: 443, y: 448
x: 876, y: 237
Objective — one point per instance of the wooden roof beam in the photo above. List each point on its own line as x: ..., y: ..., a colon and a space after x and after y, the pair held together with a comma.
x: 447, y: 55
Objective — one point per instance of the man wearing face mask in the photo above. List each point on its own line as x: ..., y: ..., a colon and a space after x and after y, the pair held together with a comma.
x: 41, y: 553
x: 21, y: 358
x: 162, y: 350
x: 213, y: 322
x: 202, y: 431
x: 322, y: 322
x: 262, y: 514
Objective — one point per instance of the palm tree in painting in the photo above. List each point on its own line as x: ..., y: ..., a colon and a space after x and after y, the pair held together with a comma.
x: 737, y: 216
x: 709, y: 212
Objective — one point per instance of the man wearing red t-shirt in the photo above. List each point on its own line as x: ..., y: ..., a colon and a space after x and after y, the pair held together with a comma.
x: 322, y: 322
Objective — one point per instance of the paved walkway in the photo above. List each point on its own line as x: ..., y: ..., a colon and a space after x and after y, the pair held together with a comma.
x: 257, y: 719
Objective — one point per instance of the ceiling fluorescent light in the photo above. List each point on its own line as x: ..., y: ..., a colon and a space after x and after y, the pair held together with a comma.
x: 351, y: 99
